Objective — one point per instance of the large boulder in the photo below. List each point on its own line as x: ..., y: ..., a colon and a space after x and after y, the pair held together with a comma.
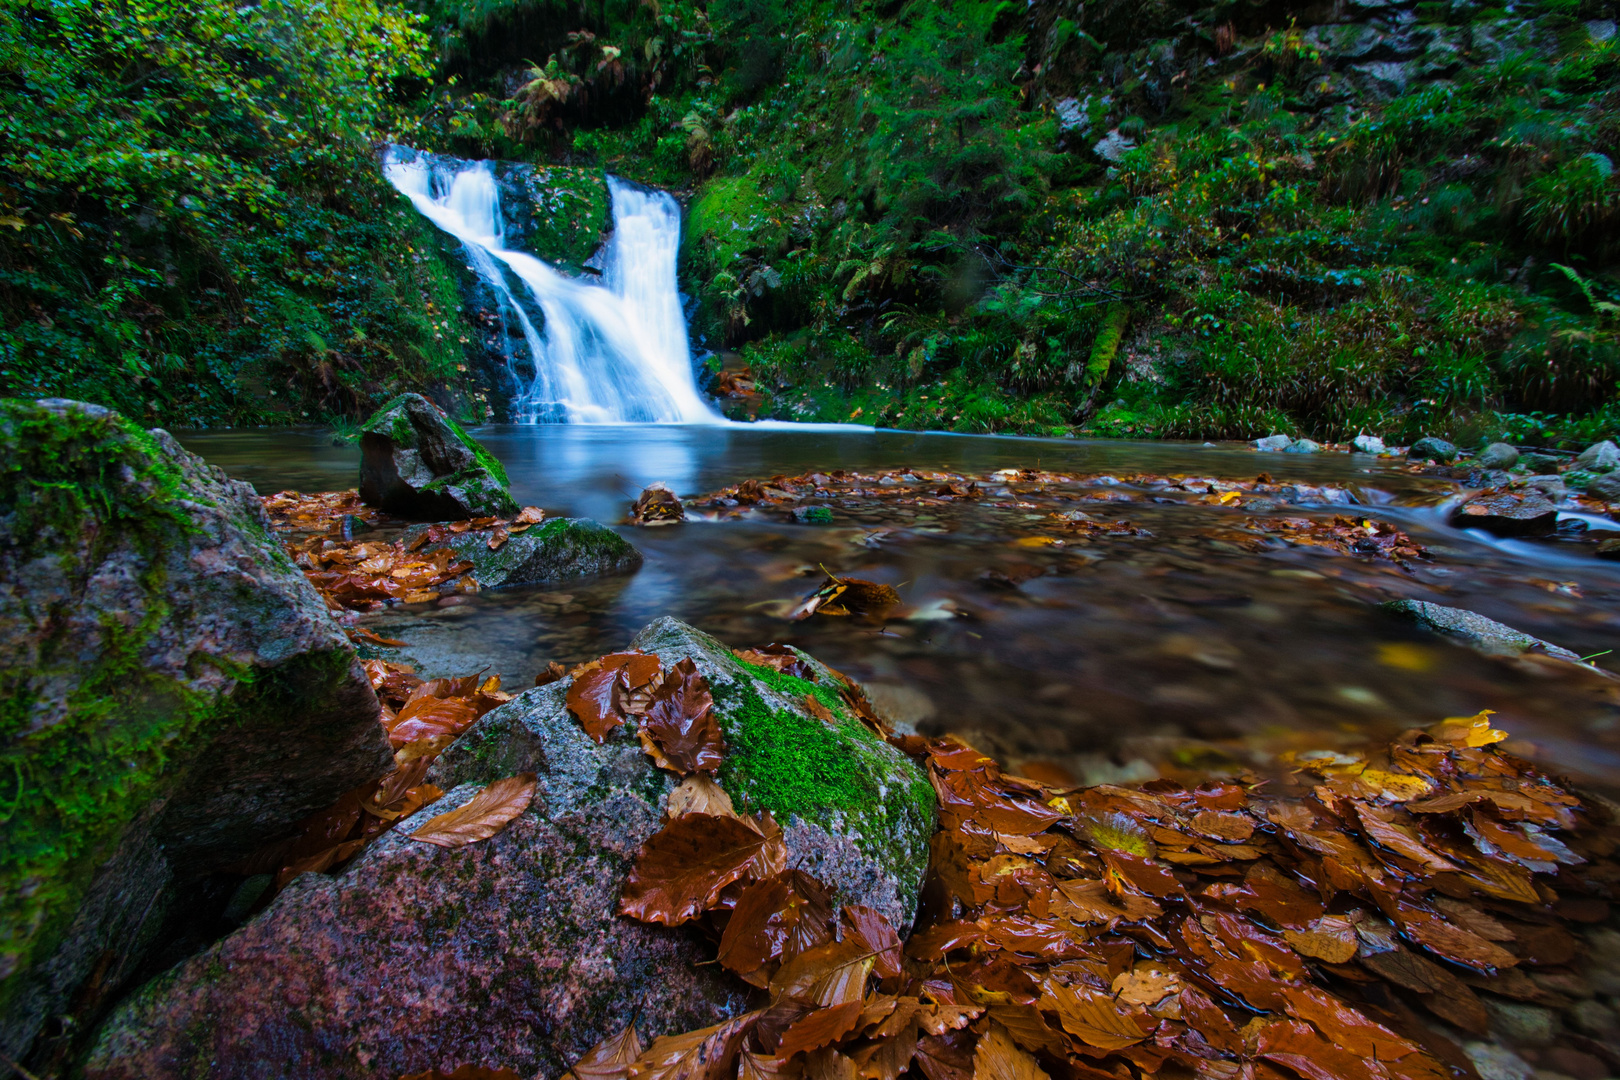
x: 1503, y: 512
x: 1599, y: 457
x: 417, y: 463
x: 508, y: 952
x: 175, y: 694
x: 556, y: 550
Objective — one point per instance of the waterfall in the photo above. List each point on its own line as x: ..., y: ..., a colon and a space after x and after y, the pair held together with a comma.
x: 603, y: 353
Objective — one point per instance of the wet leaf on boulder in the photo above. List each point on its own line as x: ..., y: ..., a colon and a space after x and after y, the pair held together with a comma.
x: 482, y: 816
x: 681, y: 869
x: 681, y: 723
x: 597, y: 694
x: 609, y: 1059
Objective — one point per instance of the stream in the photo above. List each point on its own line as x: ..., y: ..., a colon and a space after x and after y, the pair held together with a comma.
x: 1115, y: 661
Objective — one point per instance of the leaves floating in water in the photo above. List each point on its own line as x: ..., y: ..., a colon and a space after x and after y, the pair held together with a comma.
x: 482, y: 816
x: 847, y: 596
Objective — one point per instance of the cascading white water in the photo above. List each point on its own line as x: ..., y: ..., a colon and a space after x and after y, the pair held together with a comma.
x: 614, y: 352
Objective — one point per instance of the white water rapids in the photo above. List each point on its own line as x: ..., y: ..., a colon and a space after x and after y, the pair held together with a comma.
x: 614, y: 352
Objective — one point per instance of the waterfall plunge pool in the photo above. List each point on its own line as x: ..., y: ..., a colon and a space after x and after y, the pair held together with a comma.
x: 1124, y: 655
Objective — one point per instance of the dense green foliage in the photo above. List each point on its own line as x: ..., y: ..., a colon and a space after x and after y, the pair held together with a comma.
x: 192, y: 224
x: 1176, y: 218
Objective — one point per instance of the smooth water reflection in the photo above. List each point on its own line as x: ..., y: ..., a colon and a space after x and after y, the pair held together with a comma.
x: 1118, y: 658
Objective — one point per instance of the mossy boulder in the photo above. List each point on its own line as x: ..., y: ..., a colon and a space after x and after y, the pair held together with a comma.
x: 173, y: 693
x: 509, y: 950
x: 417, y: 463
x: 557, y: 550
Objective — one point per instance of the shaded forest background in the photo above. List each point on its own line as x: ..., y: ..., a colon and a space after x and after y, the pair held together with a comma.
x: 1148, y: 218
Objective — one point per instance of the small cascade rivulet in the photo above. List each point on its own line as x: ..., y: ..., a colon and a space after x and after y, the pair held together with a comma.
x: 614, y: 351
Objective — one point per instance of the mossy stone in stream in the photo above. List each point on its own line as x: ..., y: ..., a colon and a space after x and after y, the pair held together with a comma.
x: 172, y: 693
x: 418, y: 463
x: 556, y: 550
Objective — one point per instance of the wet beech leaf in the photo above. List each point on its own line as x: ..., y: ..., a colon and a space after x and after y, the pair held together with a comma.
x: 781, y: 916
x: 752, y: 1066
x: 1452, y: 942
x: 681, y: 720
x: 830, y: 974
x: 946, y: 1055
x: 480, y: 817
x: 820, y: 1028
x: 998, y: 1057
x: 873, y: 928
x: 1331, y: 938
x: 706, y: 1054
x: 699, y: 794
x: 591, y: 698
x: 611, y: 1058
x: 1092, y: 1017
x: 682, y: 868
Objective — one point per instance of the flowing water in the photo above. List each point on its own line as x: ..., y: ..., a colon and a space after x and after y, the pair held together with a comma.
x: 1115, y: 659
x: 614, y: 351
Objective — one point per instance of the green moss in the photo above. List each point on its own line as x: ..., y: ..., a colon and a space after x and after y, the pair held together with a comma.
x: 69, y: 790
x: 838, y: 776
x: 486, y: 460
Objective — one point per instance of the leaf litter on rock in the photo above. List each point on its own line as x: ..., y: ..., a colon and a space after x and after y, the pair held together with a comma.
x: 1119, y: 932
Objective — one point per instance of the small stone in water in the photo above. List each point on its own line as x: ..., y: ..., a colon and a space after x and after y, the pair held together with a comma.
x: 1272, y: 442
x: 1437, y: 449
x: 1498, y: 456
x: 1368, y: 444
x: 1599, y: 457
x: 1303, y: 446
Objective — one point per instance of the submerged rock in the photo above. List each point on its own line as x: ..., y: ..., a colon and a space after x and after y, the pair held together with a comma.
x: 1498, y: 456
x: 419, y: 464
x: 1486, y: 635
x: 509, y: 950
x: 1431, y: 448
x: 177, y: 694
x: 556, y: 550
x: 1508, y: 513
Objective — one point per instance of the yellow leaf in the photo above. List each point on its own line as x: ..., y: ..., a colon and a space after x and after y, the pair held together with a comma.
x: 1472, y: 731
x: 1034, y: 541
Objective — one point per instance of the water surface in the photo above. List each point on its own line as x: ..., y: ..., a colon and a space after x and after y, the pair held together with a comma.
x: 1121, y: 659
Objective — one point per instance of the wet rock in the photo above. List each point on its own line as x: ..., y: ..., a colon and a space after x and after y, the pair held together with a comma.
x: 1551, y: 485
x: 179, y: 695
x: 1522, y: 1024
x: 1594, y: 1018
x: 1432, y: 449
x: 813, y: 515
x: 509, y: 950
x: 1599, y: 457
x: 1303, y: 446
x: 657, y: 505
x: 1508, y: 513
x: 1368, y: 444
x: 556, y: 550
x: 1609, y: 549
x: 419, y: 464
x: 1541, y: 463
x: 1497, y: 1063
x: 1272, y: 442
x: 1498, y: 456
x: 1486, y: 635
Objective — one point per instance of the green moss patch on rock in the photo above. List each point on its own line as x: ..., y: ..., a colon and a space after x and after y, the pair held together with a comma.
x: 556, y: 212
x: 857, y: 811
x: 556, y: 550
x: 418, y: 463
x: 172, y: 692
